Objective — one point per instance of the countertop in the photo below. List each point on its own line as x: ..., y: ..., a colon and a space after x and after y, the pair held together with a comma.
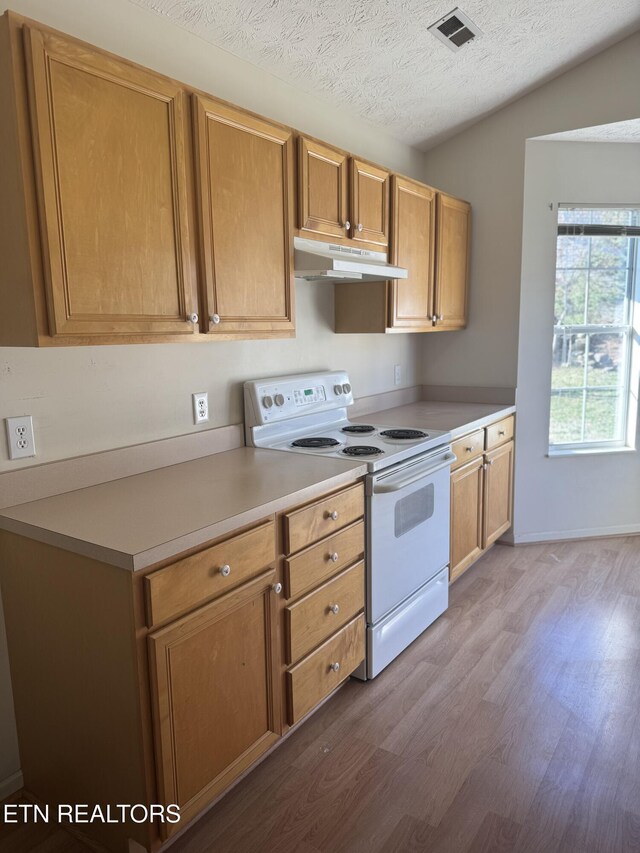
x: 456, y: 418
x: 136, y: 521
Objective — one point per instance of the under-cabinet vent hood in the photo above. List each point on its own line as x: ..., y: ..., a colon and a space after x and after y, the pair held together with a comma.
x: 316, y: 261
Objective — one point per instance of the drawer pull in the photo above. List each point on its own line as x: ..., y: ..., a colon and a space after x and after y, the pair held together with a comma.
x: 333, y: 515
x: 334, y: 557
x: 501, y: 432
x: 469, y: 449
x: 225, y: 570
x: 334, y: 608
x: 277, y: 588
x: 335, y: 667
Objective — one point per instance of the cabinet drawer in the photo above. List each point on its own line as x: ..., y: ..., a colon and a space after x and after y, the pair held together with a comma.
x: 189, y: 582
x: 322, y: 671
x: 319, y: 562
x: 306, y: 525
x: 319, y: 614
x: 468, y: 448
x: 499, y: 432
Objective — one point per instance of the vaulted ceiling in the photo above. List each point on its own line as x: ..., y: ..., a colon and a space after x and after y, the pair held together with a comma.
x: 377, y: 59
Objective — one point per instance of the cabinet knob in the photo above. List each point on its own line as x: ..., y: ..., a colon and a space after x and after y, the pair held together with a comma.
x: 335, y: 667
x: 192, y: 318
x: 441, y: 317
x: 225, y: 570
x: 434, y: 319
x: 277, y: 588
x: 334, y: 608
x: 347, y: 225
x: 501, y: 432
x: 215, y: 319
x: 489, y: 461
x: 334, y: 557
x: 333, y: 515
x: 469, y: 449
x: 359, y: 226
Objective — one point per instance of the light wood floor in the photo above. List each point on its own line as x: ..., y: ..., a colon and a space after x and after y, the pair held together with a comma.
x: 512, y: 724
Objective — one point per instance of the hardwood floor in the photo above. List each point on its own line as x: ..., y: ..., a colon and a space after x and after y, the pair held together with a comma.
x: 512, y: 724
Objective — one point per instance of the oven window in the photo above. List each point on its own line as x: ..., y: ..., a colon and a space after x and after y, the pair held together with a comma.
x: 413, y: 510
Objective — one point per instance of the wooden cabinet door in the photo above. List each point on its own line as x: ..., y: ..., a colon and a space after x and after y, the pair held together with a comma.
x: 452, y: 260
x: 245, y: 186
x: 322, y: 190
x: 498, y: 488
x: 369, y: 204
x: 215, y: 694
x: 110, y: 143
x: 466, y: 516
x: 412, y: 246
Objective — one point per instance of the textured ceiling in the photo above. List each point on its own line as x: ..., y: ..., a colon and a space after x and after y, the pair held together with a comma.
x: 620, y: 131
x: 376, y: 58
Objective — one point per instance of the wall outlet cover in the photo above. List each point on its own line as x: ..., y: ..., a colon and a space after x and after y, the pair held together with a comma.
x: 200, y: 407
x: 20, y: 437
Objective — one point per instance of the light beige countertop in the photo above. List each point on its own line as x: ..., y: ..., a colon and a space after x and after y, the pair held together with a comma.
x: 456, y: 418
x: 137, y: 521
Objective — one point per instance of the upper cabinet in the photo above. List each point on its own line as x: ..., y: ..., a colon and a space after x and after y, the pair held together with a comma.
x: 109, y: 143
x: 340, y: 198
x: 452, y: 253
x: 244, y: 171
x: 430, y: 238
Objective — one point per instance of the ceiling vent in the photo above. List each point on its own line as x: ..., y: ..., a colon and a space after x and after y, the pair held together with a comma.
x: 455, y: 29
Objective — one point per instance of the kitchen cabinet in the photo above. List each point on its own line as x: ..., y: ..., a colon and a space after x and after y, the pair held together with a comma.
x: 430, y: 237
x: 324, y: 626
x: 244, y: 173
x: 172, y: 680
x: 215, y: 694
x: 96, y: 223
x: 341, y: 198
x: 112, y: 232
x: 481, y: 492
x: 452, y: 263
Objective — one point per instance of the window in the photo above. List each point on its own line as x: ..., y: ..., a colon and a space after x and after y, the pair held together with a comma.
x: 596, y: 285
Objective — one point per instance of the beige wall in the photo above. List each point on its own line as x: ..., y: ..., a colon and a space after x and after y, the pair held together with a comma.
x: 89, y: 399
x: 485, y: 165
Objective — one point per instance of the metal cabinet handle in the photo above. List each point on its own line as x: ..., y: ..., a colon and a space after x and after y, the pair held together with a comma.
x: 501, y: 432
x: 434, y: 319
x: 192, y: 318
x: 469, y: 449
x: 489, y: 461
x: 277, y: 588
x: 335, y: 667
x: 441, y: 317
x: 334, y: 557
x: 215, y: 319
x: 347, y: 225
x: 359, y: 226
x: 332, y: 515
x: 334, y: 608
x: 225, y: 570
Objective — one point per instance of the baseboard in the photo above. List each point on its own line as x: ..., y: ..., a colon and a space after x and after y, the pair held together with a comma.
x: 11, y: 785
x: 584, y: 533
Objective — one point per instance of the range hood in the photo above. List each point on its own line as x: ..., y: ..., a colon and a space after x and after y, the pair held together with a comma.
x: 316, y: 261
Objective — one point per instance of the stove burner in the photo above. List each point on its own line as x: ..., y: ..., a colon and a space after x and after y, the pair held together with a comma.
x: 358, y: 428
x: 315, y: 441
x: 405, y: 434
x: 362, y: 450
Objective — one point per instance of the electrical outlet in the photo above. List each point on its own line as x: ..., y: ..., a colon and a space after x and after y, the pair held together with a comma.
x: 20, y: 437
x: 397, y: 374
x: 200, y: 407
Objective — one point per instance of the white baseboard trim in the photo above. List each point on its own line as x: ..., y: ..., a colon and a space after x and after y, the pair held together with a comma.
x: 585, y: 533
x: 11, y: 785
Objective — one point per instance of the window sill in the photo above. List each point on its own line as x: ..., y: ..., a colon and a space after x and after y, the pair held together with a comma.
x: 589, y: 451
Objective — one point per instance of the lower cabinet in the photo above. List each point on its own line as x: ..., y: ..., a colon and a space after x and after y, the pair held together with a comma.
x: 481, y: 492
x: 215, y: 694
x: 164, y: 686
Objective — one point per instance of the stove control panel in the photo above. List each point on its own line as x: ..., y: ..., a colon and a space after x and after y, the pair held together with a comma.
x: 283, y: 397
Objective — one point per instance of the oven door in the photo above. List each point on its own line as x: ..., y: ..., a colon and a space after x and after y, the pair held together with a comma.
x: 408, y: 528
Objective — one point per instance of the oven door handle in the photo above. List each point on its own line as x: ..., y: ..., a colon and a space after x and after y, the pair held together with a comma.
x: 381, y: 487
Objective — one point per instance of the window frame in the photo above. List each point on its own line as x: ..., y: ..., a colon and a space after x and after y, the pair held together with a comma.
x: 629, y: 330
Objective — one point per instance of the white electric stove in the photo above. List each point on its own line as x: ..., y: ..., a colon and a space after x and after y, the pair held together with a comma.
x: 407, y: 497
